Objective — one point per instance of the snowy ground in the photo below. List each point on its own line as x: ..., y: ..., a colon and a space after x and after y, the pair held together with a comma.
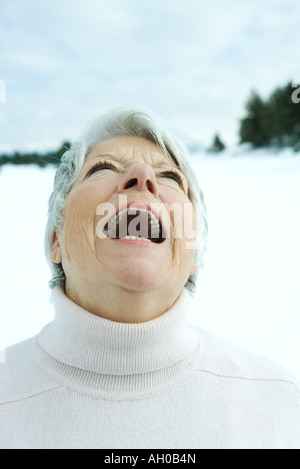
x: 249, y: 289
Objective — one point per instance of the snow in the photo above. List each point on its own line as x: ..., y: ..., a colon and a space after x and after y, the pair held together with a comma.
x: 248, y: 291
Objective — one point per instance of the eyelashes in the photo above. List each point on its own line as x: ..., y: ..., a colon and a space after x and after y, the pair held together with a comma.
x: 173, y: 175
x: 103, y: 164
x: 100, y: 165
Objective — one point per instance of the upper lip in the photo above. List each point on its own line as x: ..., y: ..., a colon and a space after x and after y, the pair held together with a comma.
x: 140, y: 205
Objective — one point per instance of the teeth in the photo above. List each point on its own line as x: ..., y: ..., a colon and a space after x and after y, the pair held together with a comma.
x: 137, y: 238
x: 117, y: 220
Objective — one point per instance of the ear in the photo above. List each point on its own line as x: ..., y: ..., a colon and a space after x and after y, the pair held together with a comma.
x: 55, y: 253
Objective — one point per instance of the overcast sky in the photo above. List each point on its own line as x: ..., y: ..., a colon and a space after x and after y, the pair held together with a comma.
x: 192, y: 62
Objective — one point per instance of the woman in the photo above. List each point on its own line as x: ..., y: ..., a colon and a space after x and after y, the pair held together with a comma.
x: 120, y: 366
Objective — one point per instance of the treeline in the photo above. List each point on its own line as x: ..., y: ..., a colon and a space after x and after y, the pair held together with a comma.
x: 41, y: 160
x: 272, y: 122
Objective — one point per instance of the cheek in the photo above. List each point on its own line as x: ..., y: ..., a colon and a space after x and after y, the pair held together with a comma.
x: 79, y: 223
x: 83, y: 202
x: 182, y: 216
x: 79, y: 212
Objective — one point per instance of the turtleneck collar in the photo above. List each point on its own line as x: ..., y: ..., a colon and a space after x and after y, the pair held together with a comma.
x: 107, y: 359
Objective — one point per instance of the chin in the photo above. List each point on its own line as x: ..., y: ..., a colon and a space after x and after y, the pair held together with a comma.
x: 139, y: 278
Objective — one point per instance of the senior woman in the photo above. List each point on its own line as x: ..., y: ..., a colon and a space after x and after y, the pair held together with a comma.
x: 120, y: 366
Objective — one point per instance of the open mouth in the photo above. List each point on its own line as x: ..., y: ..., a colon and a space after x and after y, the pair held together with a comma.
x: 135, y: 223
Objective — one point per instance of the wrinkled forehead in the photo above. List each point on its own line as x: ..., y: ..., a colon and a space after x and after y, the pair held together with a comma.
x: 133, y: 149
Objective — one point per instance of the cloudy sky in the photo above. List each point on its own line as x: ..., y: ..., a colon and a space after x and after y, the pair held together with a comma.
x: 192, y: 62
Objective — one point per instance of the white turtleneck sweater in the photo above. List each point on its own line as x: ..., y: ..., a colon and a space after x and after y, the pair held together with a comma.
x: 87, y: 382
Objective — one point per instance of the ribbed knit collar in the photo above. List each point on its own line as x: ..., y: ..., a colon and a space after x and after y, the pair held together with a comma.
x: 119, y: 360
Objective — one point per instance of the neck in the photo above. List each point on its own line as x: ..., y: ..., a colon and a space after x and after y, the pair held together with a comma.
x: 122, y: 305
x: 109, y: 359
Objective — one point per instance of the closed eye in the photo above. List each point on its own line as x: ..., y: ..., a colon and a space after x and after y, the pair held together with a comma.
x: 100, y: 165
x: 174, y: 176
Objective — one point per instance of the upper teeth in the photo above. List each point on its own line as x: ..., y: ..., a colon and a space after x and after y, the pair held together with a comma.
x: 137, y: 238
x: 136, y: 232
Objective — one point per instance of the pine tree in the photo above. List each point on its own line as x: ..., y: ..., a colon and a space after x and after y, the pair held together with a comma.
x: 217, y: 145
x: 275, y: 121
x: 255, y: 127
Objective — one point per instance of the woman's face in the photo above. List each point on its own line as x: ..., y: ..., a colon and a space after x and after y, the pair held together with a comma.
x: 117, y: 247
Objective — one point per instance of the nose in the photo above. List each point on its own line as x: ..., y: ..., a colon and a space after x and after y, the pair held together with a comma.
x: 140, y: 177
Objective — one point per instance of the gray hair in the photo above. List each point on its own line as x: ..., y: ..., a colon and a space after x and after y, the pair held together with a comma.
x: 114, y: 123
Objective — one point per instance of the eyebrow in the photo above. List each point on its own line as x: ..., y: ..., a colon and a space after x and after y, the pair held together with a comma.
x: 104, y: 155
x: 160, y: 164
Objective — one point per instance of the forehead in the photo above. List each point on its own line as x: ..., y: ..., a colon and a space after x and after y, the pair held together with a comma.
x: 129, y: 148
